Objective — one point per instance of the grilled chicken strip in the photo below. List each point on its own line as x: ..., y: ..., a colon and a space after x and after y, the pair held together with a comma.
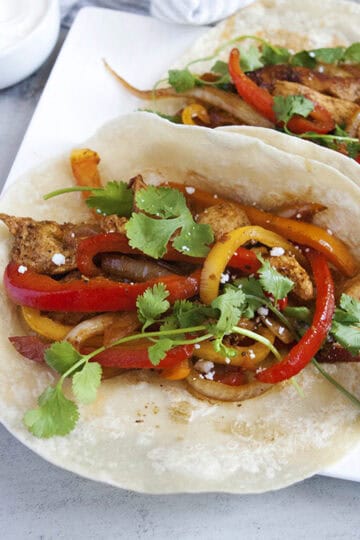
x: 48, y: 247
x: 343, y: 87
x: 341, y: 110
x: 289, y: 267
x: 223, y: 218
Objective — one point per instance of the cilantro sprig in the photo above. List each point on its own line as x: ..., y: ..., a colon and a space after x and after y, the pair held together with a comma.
x: 113, y: 198
x: 152, y: 234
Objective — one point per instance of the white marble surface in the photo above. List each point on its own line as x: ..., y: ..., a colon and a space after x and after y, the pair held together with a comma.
x: 40, y: 501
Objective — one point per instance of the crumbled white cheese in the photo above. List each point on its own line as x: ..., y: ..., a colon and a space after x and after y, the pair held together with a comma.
x: 227, y: 360
x: 277, y: 251
x: 209, y: 376
x: 329, y: 231
x: 58, y: 259
x: 190, y: 190
x: 185, y: 248
x: 197, y: 346
x: 281, y: 330
x: 204, y: 366
x: 263, y: 311
x: 224, y: 278
x: 216, y: 196
x: 298, y: 216
x: 22, y: 269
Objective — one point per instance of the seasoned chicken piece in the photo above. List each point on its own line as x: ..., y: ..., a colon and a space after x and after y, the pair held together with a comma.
x: 48, y: 247
x: 352, y: 287
x: 340, y: 86
x: 340, y: 109
x: 113, y: 223
x: 43, y: 246
x: 289, y: 267
x: 223, y: 218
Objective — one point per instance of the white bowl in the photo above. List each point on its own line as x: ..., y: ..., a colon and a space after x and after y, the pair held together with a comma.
x: 24, y: 57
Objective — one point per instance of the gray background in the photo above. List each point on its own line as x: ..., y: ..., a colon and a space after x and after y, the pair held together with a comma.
x: 38, y: 500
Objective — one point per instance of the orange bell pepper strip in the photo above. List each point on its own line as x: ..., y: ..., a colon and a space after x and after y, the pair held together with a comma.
x: 84, y: 164
x: 299, y: 232
x: 177, y: 373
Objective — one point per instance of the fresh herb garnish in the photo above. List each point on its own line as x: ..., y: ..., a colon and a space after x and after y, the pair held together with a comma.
x: 152, y: 235
x: 181, y: 79
x: 272, y: 55
x: 346, y: 324
x: 250, y: 58
x: 273, y: 282
x: 113, y: 198
x: 286, y: 106
x: 152, y: 304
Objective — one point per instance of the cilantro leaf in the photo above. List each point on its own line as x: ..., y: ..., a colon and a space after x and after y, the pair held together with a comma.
x: 162, y: 202
x: 271, y: 55
x: 192, y: 314
x: 157, y: 352
x: 328, y: 55
x: 152, y: 235
x: 221, y: 68
x: 303, y: 59
x: 251, y: 287
x: 61, y: 356
x: 250, y: 58
x: 352, y: 53
x: 113, y: 198
x: 181, y: 79
x: 273, y: 282
x: 152, y: 303
x: 351, y: 306
x: 347, y: 336
x: 230, y: 304
x: 221, y: 348
x: 286, y: 106
x: 194, y: 239
x: 86, y: 382
x: 56, y: 415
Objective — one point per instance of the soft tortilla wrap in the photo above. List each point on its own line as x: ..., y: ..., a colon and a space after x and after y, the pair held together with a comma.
x: 151, y: 435
x: 297, y: 25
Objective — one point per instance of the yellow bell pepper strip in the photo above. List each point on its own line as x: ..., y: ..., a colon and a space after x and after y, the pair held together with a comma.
x: 177, y: 373
x: 221, y: 253
x: 44, y: 326
x: 306, y: 234
x: 246, y: 357
x: 194, y: 110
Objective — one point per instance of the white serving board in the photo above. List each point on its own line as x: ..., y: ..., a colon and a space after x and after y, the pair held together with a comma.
x: 80, y: 96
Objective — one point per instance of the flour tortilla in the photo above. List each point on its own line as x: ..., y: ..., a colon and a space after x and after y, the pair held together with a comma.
x: 151, y: 435
x: 297, y: 25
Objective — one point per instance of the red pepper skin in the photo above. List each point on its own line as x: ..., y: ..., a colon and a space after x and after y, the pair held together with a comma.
x: 302, y: 353
x: 259, y: 98
x: 244, y: 260
x: 137, y: 357
x: 95, y: 295
x: 132, y: 356
x: 318, y: 121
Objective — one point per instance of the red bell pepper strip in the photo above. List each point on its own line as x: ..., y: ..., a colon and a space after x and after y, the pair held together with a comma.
x: 258, y: 98
x: 134, y: 356
x: 303, y: 352
x: 319, y: 120
x: 94, y: 295
x: 244, y: 259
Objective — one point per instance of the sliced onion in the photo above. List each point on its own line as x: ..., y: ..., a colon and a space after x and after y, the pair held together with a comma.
x: 224, y: 392
x: 278, y: 330
x: 89, y: 328
x: 123, y: 324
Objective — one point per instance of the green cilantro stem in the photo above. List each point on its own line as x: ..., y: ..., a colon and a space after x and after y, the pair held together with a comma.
x: 275, y: 311
x: 68, y: 190
x: 193, y: 341
x: 257, y: 337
